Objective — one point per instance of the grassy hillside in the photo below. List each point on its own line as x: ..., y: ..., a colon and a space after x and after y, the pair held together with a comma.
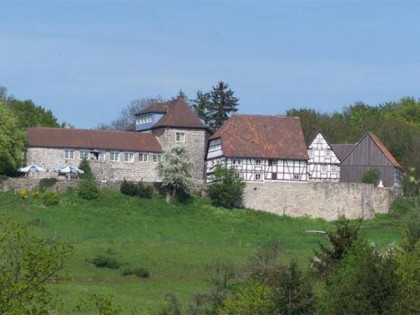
x: 175, y: 243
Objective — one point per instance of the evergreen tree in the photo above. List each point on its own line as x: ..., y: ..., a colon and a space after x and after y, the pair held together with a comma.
x: 201, y: 105
x: 85, y: 166
x: 223, y: 104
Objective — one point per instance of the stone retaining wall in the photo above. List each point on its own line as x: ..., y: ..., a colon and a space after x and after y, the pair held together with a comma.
x: 326, y: 200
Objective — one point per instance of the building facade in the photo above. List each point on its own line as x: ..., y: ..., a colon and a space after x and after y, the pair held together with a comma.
x: 323, y: 163
x: 260, y: 148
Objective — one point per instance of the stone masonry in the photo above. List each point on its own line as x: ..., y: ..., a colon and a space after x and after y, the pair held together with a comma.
x: 326, y: 200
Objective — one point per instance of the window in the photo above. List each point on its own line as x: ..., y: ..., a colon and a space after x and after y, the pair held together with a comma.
x: 311, y: 153
x: 156, y: 158
x: 328, y: 153
x: 144, y: 157
x: 273, y: 176
x: 114, y: 156
x: 84, y: 154
x: 334, y: 168
x: 128, y: 157
x: 296, y: 177
x: 69, y: 154
x: 236, y: 161
x: 257, y: 162
x: 180, y: 137
x: 144, y: 119
x: 323, y: 168
x: 257, y: 176
x: 101, y: 156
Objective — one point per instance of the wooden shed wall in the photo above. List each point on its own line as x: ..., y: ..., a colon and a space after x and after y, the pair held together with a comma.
x: 367, y: 155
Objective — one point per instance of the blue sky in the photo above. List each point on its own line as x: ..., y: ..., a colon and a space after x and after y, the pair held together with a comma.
x: 86, y: 60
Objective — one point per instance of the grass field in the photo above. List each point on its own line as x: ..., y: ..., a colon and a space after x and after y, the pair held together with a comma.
x: 175, y: 243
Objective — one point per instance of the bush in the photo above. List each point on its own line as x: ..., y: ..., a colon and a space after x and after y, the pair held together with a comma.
x: 226, y: 189
x: 139, y: 272
x: 51, y: 198
x: 85, y: 166
x: 102, y: 261
x: 128, y: 188
x: 371, y: 176
x: 88, y: 190
x: 136, y: 189
x: 46, y: 183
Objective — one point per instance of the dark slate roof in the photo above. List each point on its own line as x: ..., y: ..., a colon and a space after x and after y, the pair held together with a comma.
x: 385, y: 150
x: 180, y: 115
x: 342, y: 150
x: 92, y: 139
x: 161, y: 108
x: 257, y: 136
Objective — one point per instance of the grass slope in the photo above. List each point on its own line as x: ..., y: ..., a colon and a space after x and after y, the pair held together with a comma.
x: 176, y: 243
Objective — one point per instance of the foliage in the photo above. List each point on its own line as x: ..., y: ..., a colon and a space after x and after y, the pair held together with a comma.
x: 28, y: 265
x: 92, y: 303
x: 30, y: 115
x: 136, y: 189
x: 46, y: 183
x: 104, y: 261
x: 51, y: 198
x: 23, y: 193
x: 88, y: 189
x: 255, y: 299
x: 85, y: 167
x: 173, y: 306
x: 410, y: 184
x: 174, y: 169
x: 411, y: 234
x: 127, y: 118
x: 365, y: 283
x: 327, y: 257
x: 139, y: 272
x: 216, y: 106
x: 371, y: 176
x: 11, y: 142
x: 226, y: 188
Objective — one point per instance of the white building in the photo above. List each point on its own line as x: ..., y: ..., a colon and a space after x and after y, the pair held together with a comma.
x: 323, y: 163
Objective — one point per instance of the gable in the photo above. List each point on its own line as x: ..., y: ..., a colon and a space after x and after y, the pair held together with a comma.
x: 320, y: 151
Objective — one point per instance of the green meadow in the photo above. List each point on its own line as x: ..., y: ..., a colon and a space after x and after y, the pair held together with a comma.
x: 175, y: 243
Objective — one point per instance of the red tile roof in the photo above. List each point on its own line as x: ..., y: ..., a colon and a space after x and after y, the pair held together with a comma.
x: 92, y: 139
x: 180, y: 115
x: 259, y: 136
x: 385, y: 150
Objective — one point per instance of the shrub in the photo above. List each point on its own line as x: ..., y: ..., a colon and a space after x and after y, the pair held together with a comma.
x: 23, y: 193
x: 226, y: 189
x: 46, y: 183
x: 85, y: 166
x: 102, y: 261
x: 128, y: 188
x: 51, y: 198
x: 139, y: 272
x: 144, y: 191
x: 88, y: 190
x: 371, y: 176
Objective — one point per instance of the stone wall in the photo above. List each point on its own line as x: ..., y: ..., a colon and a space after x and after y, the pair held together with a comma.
x: 195, y: 145
x: 319, y: 200
x: 107, y: 170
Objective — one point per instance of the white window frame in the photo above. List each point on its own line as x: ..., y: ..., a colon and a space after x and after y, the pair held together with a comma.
x: 236, y: 161
x: 324, y: 169
x: 144, y: 157
x: 112, y: 155
x: 179, y: 136
x: 156, y: 157
x: 296, y: 177
x: 328, y: 153
x: 83, y: 152
x: 69, y: 154
x: 258, y: 176
x: 334, y: 168
x: 128, y: 157
x: 102, y: 156
x: 258, y: 162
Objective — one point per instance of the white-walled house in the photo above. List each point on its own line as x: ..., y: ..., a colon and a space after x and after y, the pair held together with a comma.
x: 323, y: 163
x: 260, y: 148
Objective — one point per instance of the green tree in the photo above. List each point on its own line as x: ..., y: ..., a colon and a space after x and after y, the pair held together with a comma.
x: 11, y: 142
x: 30, y: 115
x: 371, y: 176
x: 365, y: 282
x: 223, y: 104
x: 174, y: 169
x: 27, y: 266
x: 327, y: 257
x: 201, y: 104
x: 85, y: 167
x: 227, y: 187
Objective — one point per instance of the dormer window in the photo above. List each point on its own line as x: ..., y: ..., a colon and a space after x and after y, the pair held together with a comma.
x: 144, y: 119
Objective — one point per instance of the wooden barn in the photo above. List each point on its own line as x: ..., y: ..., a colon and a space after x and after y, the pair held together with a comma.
x: 370, y: 153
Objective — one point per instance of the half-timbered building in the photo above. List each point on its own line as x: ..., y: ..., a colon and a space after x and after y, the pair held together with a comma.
x: 323, y: 163
x: 371, y: 153
x: 260, y: 148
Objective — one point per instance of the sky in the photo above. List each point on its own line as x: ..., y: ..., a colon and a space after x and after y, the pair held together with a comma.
x: 87, y: 60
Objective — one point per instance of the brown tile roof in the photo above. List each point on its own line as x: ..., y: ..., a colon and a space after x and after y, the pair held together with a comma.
x: 179, y: 115
x: 385, y: 150
x: 342, y: 150
x: 92, y: 139
x: 259, y: 136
